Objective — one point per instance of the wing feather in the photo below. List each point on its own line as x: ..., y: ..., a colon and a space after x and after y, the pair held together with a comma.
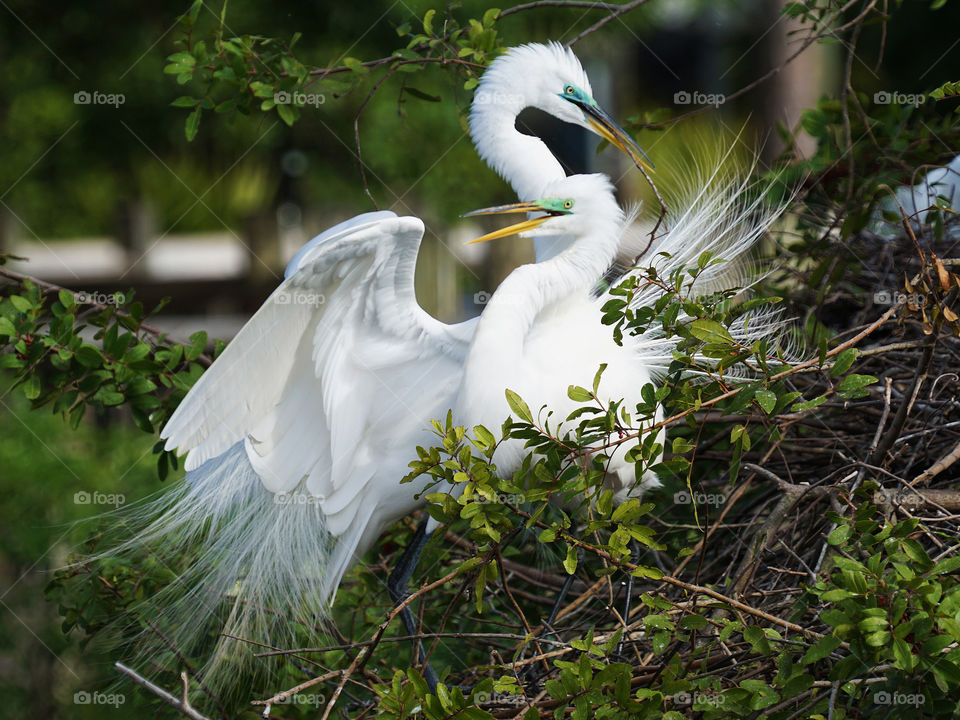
x: 333, y: 381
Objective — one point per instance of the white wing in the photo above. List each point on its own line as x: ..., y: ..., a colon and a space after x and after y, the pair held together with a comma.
x: 337, y: 368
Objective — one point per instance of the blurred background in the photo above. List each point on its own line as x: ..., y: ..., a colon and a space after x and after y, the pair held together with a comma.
x: 100, y: 192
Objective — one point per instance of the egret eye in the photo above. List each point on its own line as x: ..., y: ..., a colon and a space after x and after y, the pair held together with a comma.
x: 567, y: 204
x: 570, y: 90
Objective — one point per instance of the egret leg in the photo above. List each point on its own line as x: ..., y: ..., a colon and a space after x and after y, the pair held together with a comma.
x: 398, y: 584
x: 564, y: 589
x: 634, y: 556
x: 557, y: 604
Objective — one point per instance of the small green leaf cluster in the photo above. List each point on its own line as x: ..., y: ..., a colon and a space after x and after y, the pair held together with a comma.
x: 892, y: 606
x: 74, y: 356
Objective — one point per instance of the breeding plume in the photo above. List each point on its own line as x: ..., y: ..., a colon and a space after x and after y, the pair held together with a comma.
x: 541, y: 330
x: 298, y: 435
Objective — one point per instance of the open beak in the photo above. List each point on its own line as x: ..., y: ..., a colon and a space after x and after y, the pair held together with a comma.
x: 516, y: 228
x: 606, y: 128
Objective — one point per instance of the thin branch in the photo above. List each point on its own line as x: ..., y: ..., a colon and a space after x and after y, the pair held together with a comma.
x: 182, y: 705
x: 621, y: 10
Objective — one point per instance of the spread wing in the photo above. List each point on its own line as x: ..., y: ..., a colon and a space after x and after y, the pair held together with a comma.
x: 339, y: 366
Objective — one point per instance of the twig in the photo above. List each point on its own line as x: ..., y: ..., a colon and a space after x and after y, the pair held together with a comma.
x: 621, y: 10
x: 182, y: 705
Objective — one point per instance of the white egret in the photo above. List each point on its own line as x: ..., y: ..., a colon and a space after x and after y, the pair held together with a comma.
x: 541, y: 330
x: 297, y: 436
x: 918, y: 200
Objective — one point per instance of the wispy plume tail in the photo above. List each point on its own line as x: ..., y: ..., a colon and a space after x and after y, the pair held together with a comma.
x: 246, y: 564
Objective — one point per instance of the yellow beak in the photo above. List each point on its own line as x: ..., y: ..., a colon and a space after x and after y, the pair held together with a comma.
x: 619, y: 139
x: 514, y: 229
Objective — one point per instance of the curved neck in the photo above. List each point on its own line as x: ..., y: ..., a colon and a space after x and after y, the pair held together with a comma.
x: 528, y: 290
x: 522, y: 160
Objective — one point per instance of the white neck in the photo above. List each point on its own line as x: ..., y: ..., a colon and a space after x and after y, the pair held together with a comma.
x: 522, y: 160
x: 528, y: 290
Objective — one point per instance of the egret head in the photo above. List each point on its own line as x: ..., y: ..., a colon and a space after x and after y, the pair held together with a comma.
x: 550, y: 78
x: 578, y: 206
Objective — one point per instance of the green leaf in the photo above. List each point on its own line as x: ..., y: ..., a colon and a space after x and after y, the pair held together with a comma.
x: 840, y: 535
x: 570, y: 562
x: 31, y: 388
x: 192, y: 125
x: 579, y: 394
x: 843, y: 362
x: 428, y: 21
x: 766, y: 399
x: 710, y: 331
x: 518, y: 406
x: 853, y: 382
x: 21, y: 303
x: 287, y: 113
x: 821, y: 649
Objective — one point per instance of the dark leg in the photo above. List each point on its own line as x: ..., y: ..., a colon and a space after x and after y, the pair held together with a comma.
x: 634, y: 555
x: 567, y: 584
x: 399, y: 584
x: 527, y: 674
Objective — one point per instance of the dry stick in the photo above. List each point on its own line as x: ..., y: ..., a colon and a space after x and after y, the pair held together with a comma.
x: 364, y: 655
x: 670, y: 580
x: 938, y: 467
x: 764, y: 537
x: 407, y: 638
x: 182, y: 705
